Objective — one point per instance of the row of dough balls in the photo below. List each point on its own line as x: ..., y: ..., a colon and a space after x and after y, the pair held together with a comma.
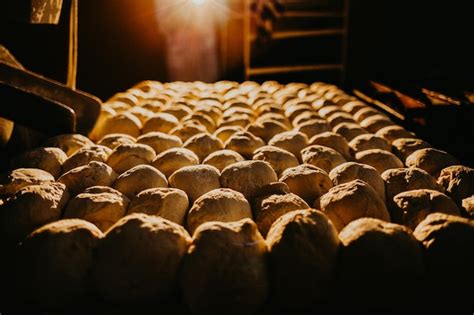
x: 306, y: 163
x: 246, y: 117
x: 246, y: 189
x: 229, y: 267
x: 309, y: 183
x: 310, y: 115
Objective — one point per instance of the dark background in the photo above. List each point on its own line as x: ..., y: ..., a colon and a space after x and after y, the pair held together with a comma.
x: 120, y: 44
x: 399, y: 42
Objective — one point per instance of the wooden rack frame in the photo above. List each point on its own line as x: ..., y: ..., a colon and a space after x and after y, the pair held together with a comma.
x: 248, y: 38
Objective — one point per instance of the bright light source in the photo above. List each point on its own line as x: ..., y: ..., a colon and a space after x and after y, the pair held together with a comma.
x: 198, y: 2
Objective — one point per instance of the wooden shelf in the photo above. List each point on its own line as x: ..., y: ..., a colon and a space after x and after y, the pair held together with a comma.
x: 282, y: 35
x: 313, y: 14
x: 304, y: 11
x: 295, y: 68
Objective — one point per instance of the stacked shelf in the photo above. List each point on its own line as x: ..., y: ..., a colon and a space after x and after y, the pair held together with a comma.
x: 308, y: 37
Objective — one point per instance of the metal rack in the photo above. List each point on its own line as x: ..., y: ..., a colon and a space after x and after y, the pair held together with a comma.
x: 299, y: 10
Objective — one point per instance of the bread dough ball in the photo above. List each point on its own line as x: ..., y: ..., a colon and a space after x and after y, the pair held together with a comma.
x: 327, y: 111
x: 186, y: 130
x: 169, y: 203
x: 269, y: 207
x: 149, y: 86
x: 307, y: 181
x: 405, y: 179
x: 241, y: 120
x: 54, y: 263
x: 294, y: 111
x: 322, y: 157
x: 431, y: 160
x: 266, y: 109
x: 222, y: 204
x: 92, y: 174
x: 139, y: 178
x: 334, y: 141
x: 266, y: 129
x: 448, y: 242
x: 160, y: 141
x: 125, y: 123
x: 350, y: 201
x: 224, y: 133
x: 178, y: 110
x: 211, y: 108
x: 202, y: 119
x: 118, y: 106
x: 377, y: 260
x: 380, y: 159
x: 161, y: 122
x: 276, y: 117
x: 223, y: 158
x: 369, y: 141
x: 458, y: 182
x: 17, y: 179
x: 392, y: 133
x: 313, y: 127
x: 365, y: 112
x: 106, y: 112
x: 31, y: 207
x: 195, y: 180
x: 414, y: 206
x: 339, y: 117
x: 304, y: 247
x: 248, y: 177
x: 237, y: 102
x: 100, y: 205
x: 86, y: 155
x: 353, y: 107
x: 126, y: 156
x: 321, y: 102
x: 403, y: 147
x: 349, y: 130
x: 468, y: 207
x: 228, y: 260
x: 374, y: 123
x: 154, y: 105
x: 147, y: 273
x: 46, y: 159
x: 350, y: 171
x: 69, y: 143
x: 141, y: 113
x: 292, y: 141
x: 173, y: 159
x: 203, y: 144
x: 278, y: 158
x: 125, y: 98
x: 114, y: 140
x: 244, y: 143
x: 304, y: 117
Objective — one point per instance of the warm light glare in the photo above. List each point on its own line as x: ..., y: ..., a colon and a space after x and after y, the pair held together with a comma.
x: 198, y: 2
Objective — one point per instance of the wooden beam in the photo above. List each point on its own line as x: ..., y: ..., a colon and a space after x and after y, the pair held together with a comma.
x: 73, y: 43
x: 281, y: 35
x: 312, y: 14
x: 379, y: 104
x: 295, y: 68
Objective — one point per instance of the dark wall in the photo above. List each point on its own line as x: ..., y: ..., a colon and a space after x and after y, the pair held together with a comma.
x: 120, y: 44
x: 411, y: 41
x: 41, y: 48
